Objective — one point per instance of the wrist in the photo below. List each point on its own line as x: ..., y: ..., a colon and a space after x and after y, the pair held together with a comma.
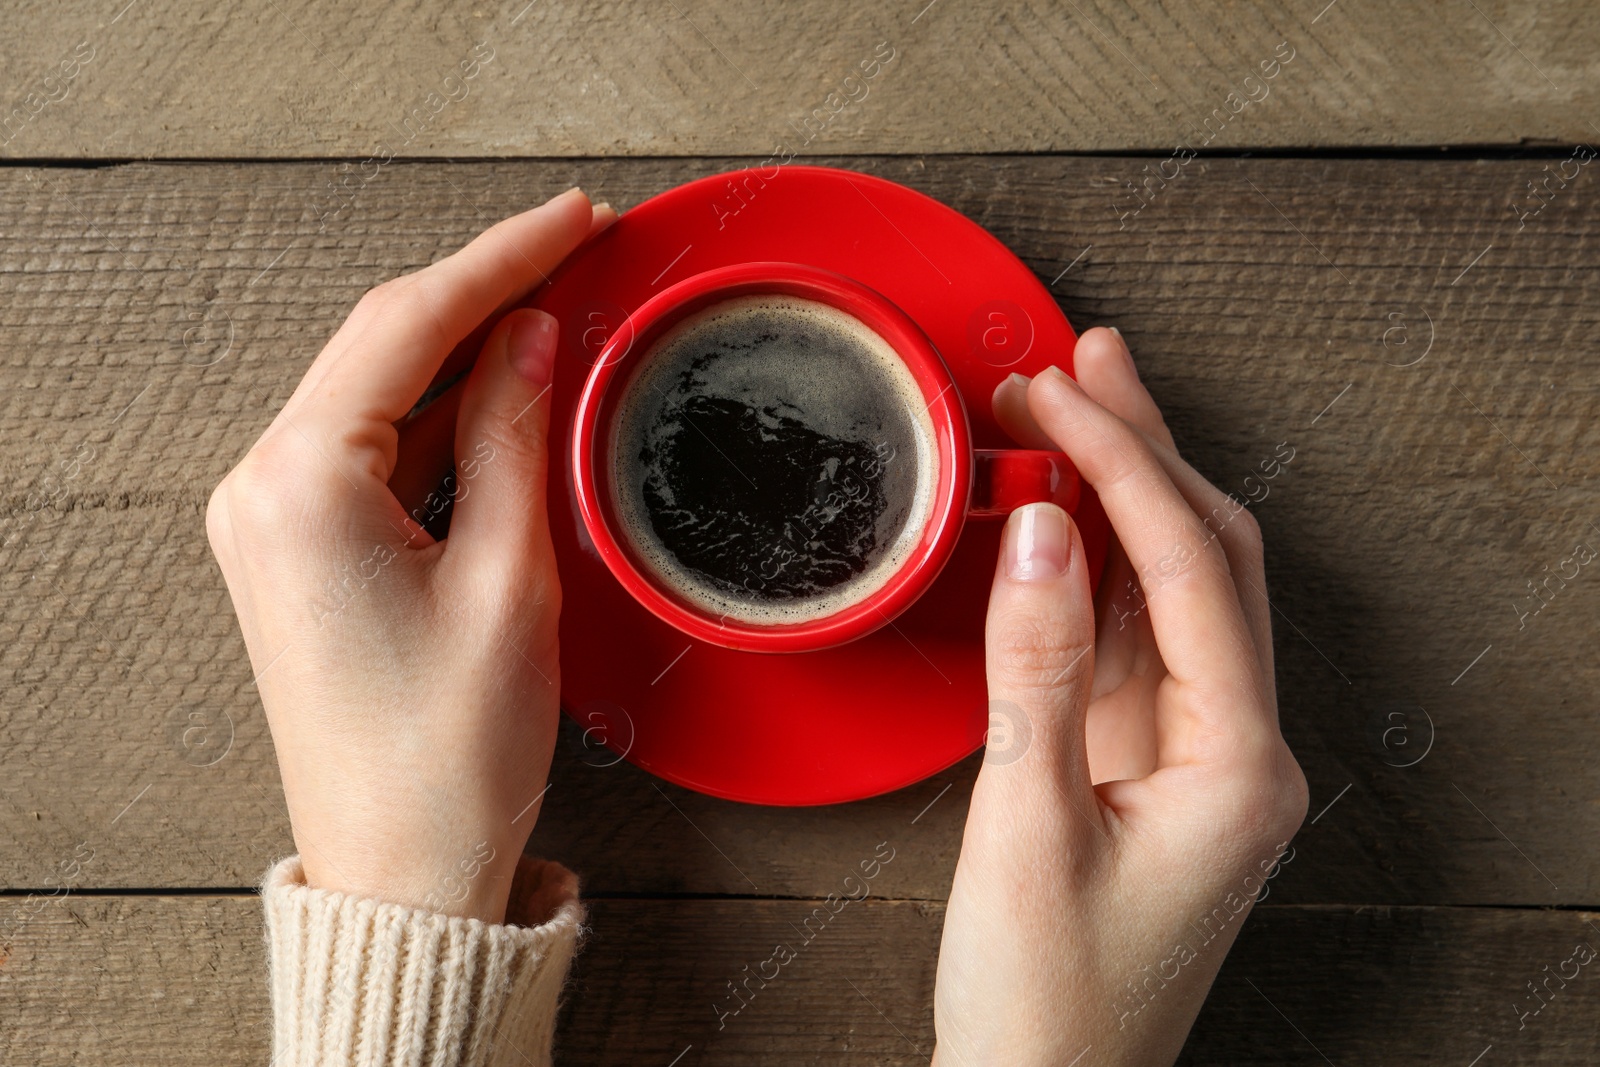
x: 473, y: 882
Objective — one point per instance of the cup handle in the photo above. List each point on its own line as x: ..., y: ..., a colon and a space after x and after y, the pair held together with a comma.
x: 1006, y: 479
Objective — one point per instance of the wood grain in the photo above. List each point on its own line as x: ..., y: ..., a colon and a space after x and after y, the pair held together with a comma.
x: 273, y: 79
x: 155, y: 317
x: 182, y: 981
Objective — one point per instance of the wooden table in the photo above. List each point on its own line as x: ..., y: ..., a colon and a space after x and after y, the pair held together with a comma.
x: 1383, y: 256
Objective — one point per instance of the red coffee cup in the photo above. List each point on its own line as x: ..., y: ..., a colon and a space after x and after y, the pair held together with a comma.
x: 971, y: 483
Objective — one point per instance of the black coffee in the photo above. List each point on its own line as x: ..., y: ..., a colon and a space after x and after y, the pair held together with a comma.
x: 773, y: 459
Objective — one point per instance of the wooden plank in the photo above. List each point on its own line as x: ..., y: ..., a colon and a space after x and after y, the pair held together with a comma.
x: 1398, y: 986
x: 158, y: 316
x: 283, y: 79
x: 182, y: 980
x: 132, y: 980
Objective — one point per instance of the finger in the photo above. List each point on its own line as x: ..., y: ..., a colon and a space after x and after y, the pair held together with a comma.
x: 1120, y: 604
x: 378, y: 364
x: 1106, y: 371
x: 1010, y: 404
x: 1104, y: 367
x: 499, y: 529
x: 1227, y: 521
x: 465, y: 353
x: 1121, y: 732
x: 1039, y: 648
x: 1123, y: 628
x: 1194, y: 607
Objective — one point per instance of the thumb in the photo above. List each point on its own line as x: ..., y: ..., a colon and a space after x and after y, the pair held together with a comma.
x: 1040, y: 658
x: 499, y: 521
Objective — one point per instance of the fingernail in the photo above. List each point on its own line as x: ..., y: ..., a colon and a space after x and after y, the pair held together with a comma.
x: 604, y: 204
x: 1037, y: 543
x: 1065, y: 379
x: 1122, y: 347
x: 1019, y: 380
x: 531, y: 348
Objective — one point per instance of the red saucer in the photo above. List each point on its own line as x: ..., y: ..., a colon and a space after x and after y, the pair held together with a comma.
x: 816, y: 727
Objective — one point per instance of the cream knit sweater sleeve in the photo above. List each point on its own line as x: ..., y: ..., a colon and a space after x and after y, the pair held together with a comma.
x: 361, y: 983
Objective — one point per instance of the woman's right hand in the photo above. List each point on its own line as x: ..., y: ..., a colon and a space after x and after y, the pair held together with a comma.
x: 1115, y: 848
x: 412, y: 684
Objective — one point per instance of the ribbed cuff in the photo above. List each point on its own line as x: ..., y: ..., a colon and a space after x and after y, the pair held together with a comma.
x: 362, y: 983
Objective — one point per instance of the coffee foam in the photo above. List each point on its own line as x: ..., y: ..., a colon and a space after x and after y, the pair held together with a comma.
x: 745, y: 349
